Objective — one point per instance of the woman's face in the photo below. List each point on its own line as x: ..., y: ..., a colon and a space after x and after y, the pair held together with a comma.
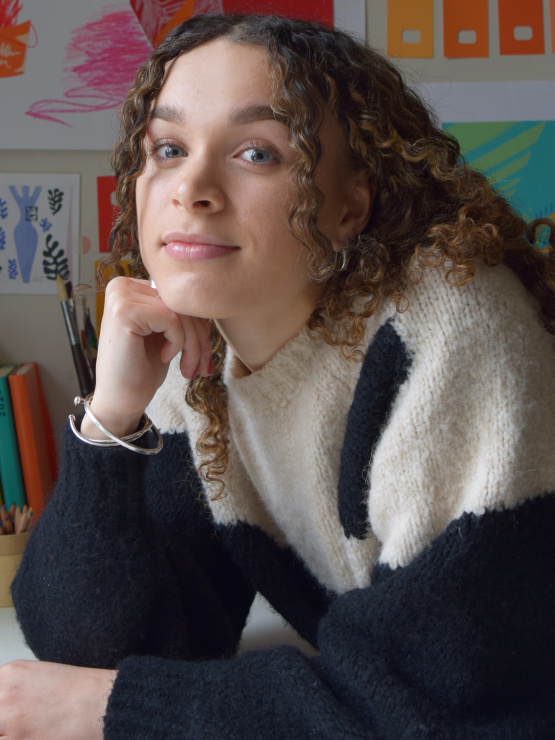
x: 212, y: 200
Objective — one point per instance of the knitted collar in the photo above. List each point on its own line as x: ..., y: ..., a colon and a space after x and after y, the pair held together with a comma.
x: 282, y: 377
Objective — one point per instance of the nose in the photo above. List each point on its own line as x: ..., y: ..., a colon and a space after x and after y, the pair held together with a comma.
x: 199, y: 187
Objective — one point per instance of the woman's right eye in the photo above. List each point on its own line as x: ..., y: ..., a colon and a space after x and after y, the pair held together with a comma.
x: 165, y: 151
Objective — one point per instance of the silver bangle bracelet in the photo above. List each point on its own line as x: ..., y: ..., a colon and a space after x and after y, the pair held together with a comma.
x: 112, y: 440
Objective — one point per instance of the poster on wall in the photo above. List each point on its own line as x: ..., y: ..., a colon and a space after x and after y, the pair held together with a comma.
x: 39, y: 232
x: 468, y: 29
x: 507, y: 131
x: 67, y: 65
x: 518, y: 157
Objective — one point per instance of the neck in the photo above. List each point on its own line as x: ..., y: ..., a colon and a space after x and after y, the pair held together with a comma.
x: 255, y: 339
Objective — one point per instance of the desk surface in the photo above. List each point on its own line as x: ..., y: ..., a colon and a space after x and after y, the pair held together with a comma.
x: 264, y: 629
x: 12, y: 644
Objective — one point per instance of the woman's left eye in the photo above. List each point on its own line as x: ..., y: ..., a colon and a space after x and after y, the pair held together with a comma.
x: 257, y: 155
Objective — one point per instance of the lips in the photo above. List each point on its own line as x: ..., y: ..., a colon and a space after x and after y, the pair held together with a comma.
x: 195, y: 238
x: 195, y: 246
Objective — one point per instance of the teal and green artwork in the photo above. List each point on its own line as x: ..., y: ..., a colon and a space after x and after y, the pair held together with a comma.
x: 517, y: 157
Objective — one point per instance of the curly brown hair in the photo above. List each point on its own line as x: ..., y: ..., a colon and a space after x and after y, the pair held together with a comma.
x: 430, y: 209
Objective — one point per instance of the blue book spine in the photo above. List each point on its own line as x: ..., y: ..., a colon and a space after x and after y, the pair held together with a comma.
x: 11, y: 476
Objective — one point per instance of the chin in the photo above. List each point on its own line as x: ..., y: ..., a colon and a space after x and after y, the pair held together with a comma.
x: 189, y: 298
x: 197, y: 309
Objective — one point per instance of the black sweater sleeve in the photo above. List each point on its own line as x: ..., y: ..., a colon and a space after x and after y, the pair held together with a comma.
x: 124, y: 560
x: 457, y: 645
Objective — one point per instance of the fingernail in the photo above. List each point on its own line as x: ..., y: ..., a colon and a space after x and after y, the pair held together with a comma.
x: 190, y: 375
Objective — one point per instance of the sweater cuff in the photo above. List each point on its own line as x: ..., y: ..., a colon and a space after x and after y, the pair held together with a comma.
x: 264, y: 693
x: 148, y: 693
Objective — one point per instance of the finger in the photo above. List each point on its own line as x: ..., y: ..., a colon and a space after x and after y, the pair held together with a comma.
x: 159, y: 320
x: 131, y: 287
x: 203, y: 334
x: 196, y: 356
x: 121, y: 282
x: 142, y: 314
x: 190, y: 355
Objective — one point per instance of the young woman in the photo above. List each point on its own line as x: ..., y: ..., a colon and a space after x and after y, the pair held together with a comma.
x: 348, y: 354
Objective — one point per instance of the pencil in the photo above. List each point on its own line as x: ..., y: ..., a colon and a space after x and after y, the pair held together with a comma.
x: 21, y: 525
x: 17, y: 519
x: 7, y: 526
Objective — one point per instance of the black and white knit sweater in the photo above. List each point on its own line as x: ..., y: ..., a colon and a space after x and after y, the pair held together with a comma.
x: 399, y: 513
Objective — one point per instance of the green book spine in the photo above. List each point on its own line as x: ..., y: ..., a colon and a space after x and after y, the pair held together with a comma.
x: 13, y: 489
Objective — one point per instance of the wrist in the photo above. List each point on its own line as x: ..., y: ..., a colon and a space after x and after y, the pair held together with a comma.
x: 109, y: 438
x: 118, y: 425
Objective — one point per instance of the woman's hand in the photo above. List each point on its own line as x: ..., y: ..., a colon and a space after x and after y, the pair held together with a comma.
x: 51, y: 701
x: 139, y: 338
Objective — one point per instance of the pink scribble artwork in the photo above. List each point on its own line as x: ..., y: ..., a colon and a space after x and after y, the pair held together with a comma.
x: 102, y: 60
x: 103, y: 57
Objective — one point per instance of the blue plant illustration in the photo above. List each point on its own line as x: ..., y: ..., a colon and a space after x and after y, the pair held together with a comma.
x: 2, y: 238
x: 13, y: 272
x: 45, y: 225
x: 3, y: 209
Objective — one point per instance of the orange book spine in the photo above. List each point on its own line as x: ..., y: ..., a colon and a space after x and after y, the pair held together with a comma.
x: 47, y: 424
x: 34, y: 435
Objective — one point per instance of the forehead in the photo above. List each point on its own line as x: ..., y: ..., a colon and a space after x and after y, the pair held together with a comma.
x: 218, y: 74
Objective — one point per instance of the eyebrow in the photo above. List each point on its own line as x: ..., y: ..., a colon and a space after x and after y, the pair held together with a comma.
x: 238, y: 116
x: 250, y: 113
x: 167, y: 113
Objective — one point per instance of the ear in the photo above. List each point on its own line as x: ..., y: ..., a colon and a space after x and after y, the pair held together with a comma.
x: 357, y: 208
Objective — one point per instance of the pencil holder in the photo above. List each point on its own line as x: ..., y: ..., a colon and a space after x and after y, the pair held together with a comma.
x: 11, y: 551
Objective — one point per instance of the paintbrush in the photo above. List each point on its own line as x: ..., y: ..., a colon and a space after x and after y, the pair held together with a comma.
x: 82, y: 367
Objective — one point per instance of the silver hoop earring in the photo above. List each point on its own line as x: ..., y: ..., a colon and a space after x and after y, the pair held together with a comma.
x: 342, y: 259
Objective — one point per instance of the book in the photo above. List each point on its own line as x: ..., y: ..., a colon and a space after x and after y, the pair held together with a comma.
x: 35, y: 436
x: 11, y: 475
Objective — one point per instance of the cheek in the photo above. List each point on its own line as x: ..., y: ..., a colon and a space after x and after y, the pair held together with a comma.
x: 151, y: 187
x: 264, y: 200
x: 148, y: 205
x: 140, y: 201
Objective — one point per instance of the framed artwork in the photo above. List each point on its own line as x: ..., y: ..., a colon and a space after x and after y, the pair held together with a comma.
x: 39, y: 232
